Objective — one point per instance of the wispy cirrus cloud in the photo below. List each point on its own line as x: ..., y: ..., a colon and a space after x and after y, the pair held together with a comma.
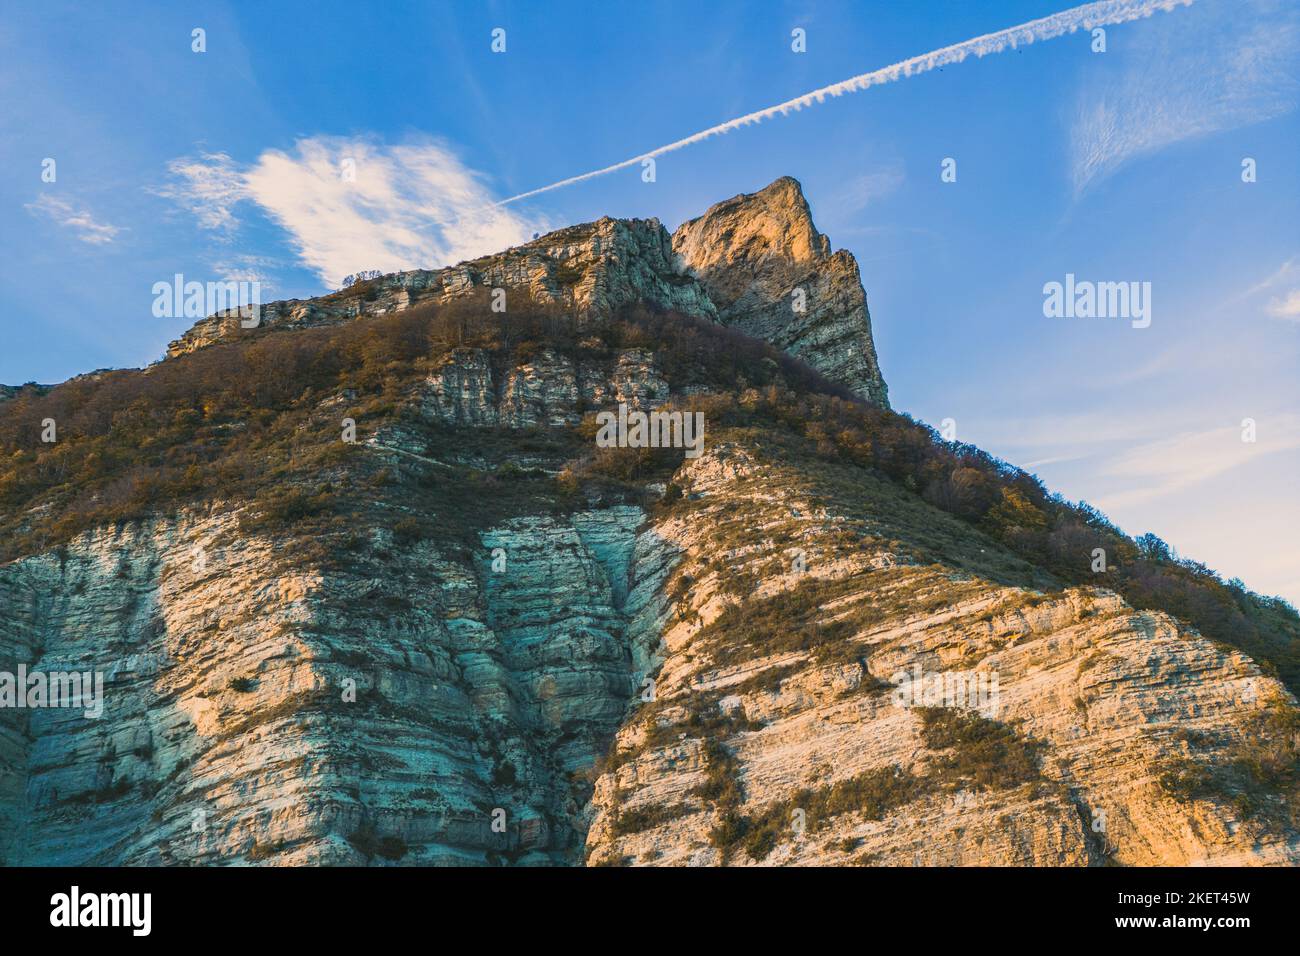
x: 210, y: 186
x: 870, y: 187
x: 1284, y: 286
x: 349, y: 203
x: 73, y: 216
x: 1285, y: 306
x: 1226, y: 66
x: 1168, y: 465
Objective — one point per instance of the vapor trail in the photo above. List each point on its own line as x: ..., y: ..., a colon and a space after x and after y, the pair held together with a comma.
x: 1085, y: 17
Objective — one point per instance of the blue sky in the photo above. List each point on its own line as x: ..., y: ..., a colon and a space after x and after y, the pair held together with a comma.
x: 1115, y: 166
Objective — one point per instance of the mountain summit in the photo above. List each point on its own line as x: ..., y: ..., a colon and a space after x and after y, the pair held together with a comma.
x: 772, y: 275
x: 756, y: 262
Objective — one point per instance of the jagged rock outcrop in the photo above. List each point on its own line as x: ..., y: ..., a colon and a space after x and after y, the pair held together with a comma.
x: 744, y: 263
x: 772, y: 274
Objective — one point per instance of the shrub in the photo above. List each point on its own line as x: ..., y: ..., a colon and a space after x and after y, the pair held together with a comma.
x: 639, y: 819
x: 982, y: 753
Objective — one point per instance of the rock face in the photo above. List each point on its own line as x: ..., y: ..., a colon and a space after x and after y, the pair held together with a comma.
x: 548, y: 390
x: 595, y: 267
x: 421, y: 707
x: 772, y: 274
x: 573, y: 689
x: 745, y: 263
x: 1106, y: 695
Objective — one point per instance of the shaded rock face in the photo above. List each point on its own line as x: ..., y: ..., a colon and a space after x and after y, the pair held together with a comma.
x: 772, y: 274
x: 549, y: 390
x: 419, y: 707
x: 740, y: 263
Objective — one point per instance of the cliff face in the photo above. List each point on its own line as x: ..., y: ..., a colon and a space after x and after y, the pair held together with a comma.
x: 772, y: 275
x: 577, y: 687
x: 819, y: 755
x: 258, y: 707
x: 472, y: 637
x: 597, y: 267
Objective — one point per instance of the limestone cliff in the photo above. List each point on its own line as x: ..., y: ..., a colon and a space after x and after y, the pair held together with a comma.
x: 595, y: 267
x: 738, y: 758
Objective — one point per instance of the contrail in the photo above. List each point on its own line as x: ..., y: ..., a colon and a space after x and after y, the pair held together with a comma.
x: 1085, y: 17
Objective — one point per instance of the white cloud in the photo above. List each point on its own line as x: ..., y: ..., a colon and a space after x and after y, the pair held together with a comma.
x: 209, y: 186
x: 1284, y: 272
x: 247, y: 268
x: 64, y: 213
x: 1285, y: 307
x: 869, y: 188
x: 408, y: 206
x: 1286, y: 303
x: 1224, y: 67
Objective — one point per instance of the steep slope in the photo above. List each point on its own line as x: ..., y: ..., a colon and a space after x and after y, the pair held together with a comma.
x: 786, y: 734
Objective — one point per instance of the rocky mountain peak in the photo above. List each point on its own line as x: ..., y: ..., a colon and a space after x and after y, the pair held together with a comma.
x: 755, y: 261
x: 772, y: 274
x: 739, y: 237
x: 381, y: 594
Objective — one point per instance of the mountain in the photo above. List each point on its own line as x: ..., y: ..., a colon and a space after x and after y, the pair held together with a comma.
x: 363, y: 587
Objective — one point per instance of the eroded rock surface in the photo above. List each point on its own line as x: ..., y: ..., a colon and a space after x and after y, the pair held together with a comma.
x: 1105, y: 696
x: 418, y: 707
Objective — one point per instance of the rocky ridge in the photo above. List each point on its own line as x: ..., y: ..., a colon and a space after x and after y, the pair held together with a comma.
x: 740, y: 264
